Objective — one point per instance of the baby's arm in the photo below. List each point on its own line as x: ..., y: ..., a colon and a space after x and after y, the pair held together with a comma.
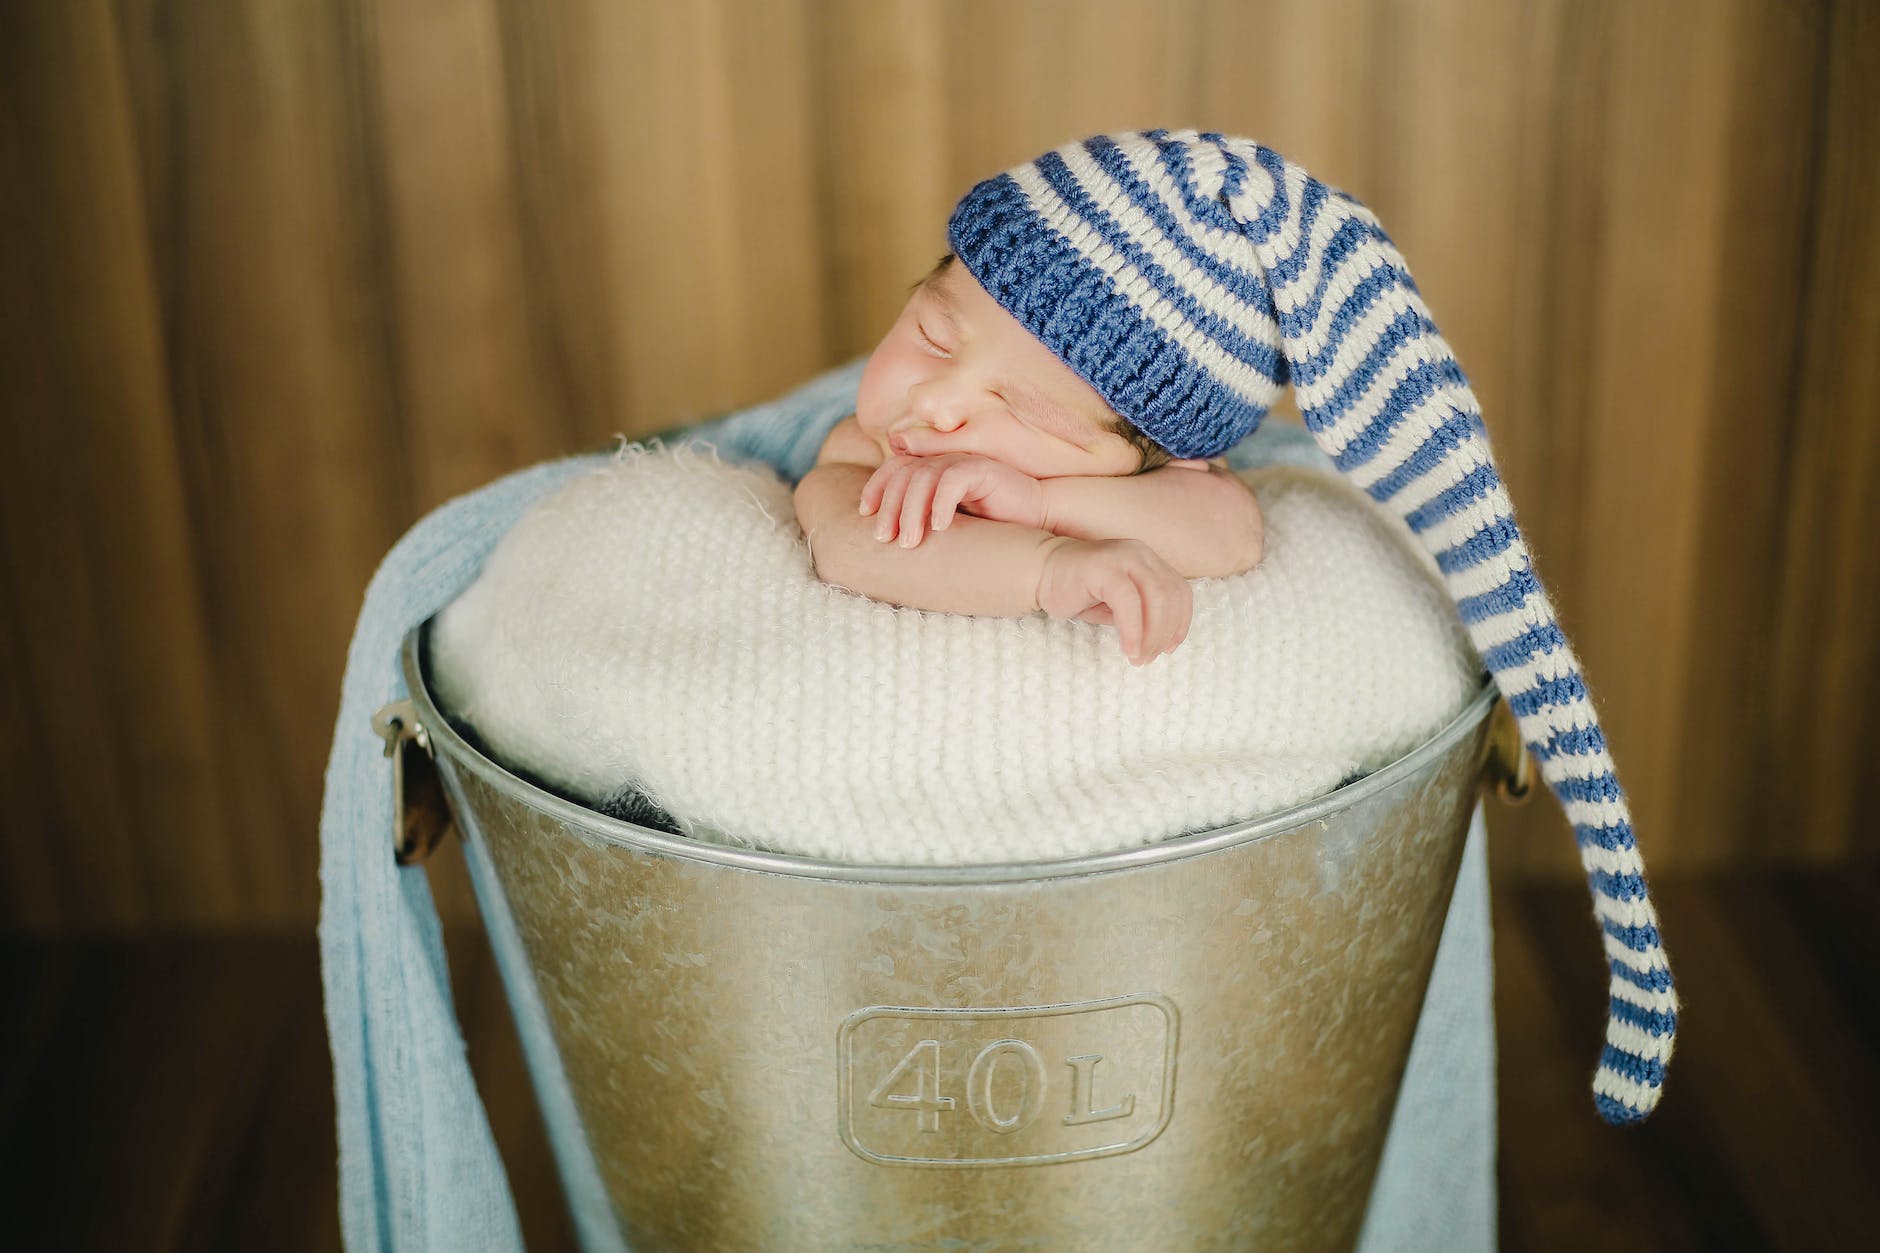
x: 1204, y: 522
x: 981, y: 566
x: 976, y: 566
x: 1199, y: 518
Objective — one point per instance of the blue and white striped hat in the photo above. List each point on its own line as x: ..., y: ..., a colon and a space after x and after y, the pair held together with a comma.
x: 1189, y: 277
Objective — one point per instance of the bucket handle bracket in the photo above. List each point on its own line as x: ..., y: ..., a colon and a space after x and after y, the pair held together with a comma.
x: 420, y: 812
x: 1509, y: 770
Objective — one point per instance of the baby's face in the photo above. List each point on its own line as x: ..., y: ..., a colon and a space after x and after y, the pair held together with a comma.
x: 957, y: 373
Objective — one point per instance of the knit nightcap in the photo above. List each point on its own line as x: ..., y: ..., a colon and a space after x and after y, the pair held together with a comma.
x: 1189, y: 276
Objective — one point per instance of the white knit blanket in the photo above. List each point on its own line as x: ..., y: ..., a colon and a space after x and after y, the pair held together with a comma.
x: 658, y: 622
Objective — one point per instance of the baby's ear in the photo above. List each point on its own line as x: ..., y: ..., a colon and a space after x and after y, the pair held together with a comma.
x: 1189, y: 463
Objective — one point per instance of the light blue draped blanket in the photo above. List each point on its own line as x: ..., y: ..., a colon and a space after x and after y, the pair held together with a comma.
x: 418, y: 1168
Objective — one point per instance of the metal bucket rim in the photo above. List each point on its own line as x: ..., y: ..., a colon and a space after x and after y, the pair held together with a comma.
x: 444, y: 738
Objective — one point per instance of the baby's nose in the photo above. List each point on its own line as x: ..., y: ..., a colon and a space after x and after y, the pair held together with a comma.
x: 934, y: 419
x: 938, y: 407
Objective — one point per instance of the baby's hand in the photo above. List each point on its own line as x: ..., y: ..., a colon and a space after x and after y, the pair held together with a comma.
x: 1119, y: 582
x: 913, y: 493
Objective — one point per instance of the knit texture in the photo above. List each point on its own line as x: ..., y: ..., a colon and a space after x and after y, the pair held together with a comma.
x: 1189, y: 277
x: 659, y: 622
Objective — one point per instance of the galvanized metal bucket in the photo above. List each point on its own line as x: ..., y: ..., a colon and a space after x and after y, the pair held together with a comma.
x: 1191, y: 1045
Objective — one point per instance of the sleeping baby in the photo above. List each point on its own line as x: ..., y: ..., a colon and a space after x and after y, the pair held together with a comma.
x: 1183, y: 280
x: 981, y: 474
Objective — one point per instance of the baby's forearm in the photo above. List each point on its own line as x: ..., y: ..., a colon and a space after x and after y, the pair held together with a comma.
x: 975, y: 566
x: 1205, y: 523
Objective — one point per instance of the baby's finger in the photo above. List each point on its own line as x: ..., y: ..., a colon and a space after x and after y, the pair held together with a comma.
x: 954, y: 484
x: 1165, y: 607
x: 871, y: 490
x: 1156, y: 613
x: 1125, y: 601
x: 888, y: 515
x: 914, y: 505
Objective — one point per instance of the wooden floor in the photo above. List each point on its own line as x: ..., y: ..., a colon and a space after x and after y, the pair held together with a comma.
x: 177, y: 1095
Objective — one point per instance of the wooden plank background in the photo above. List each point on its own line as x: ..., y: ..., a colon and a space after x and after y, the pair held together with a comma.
x: 278, y: 278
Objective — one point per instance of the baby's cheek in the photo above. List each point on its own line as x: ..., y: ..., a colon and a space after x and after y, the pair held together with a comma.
x: 868, y: 416
x: 884, y: 379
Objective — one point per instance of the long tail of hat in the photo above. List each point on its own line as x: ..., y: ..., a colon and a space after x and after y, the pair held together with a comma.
x: 1384, y: 397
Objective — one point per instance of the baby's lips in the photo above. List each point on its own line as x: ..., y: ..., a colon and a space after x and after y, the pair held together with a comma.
x: 902, y: 445
x: 917, y: 440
